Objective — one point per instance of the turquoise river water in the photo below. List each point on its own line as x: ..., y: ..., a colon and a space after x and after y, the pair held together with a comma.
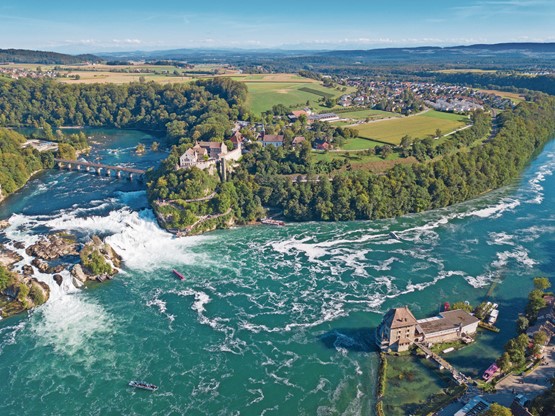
x: 273, y: 321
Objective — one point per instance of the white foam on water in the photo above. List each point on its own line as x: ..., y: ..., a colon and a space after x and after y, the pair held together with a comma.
x: 8, y: 334
x: 519, y: 255
x: 501, y: 238
x: 540, y: 176
x: 497, y: 210
x: 72, y: 325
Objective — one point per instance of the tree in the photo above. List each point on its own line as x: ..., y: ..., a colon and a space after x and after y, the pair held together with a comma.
x: 462, y: 306
x: 504, y: 362
x: 522, y: 324
x: 438, y: 133
x: 140, y: 148
x: 5, y: 277
x: 540, y: 338
x: 154, y: 146
x: 497, y: 410
x: 542, y: 283
x: 535, y: 303
x: 406, y: 141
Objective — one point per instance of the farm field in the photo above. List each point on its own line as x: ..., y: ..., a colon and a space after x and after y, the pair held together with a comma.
x: 418, y: 126
x: 90, y: 77
x: 263, y: 95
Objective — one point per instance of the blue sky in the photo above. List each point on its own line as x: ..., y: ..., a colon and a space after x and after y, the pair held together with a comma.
x: 101, y: 25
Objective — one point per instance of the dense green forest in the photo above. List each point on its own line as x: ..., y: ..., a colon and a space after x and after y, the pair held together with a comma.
x: 24, y: 56
x: 201, y: 110
x: 17, y: 164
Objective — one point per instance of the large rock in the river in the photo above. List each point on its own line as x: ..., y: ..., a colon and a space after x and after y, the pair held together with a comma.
x: 52, y: 247
x: 57, y: 269
x: 27, y: 270
x: 58, y: 279
x: 79, y: 274
x: 42, y: 266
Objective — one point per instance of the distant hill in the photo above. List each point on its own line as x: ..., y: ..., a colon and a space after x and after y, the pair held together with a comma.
x: 500, y: 50
x: 24, y: 56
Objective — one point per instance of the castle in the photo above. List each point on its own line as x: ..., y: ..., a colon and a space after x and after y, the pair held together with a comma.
x: 399, y: 328
x: 204, y: 155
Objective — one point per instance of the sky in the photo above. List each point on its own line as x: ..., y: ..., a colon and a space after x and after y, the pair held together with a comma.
x: 124, y: 25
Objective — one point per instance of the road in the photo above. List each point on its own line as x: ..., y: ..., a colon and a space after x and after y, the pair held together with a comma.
x: 531, y: 385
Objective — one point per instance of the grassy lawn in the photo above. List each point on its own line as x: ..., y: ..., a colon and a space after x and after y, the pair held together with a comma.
x: 366, y: 113
x: 263, y: 95
x: 420, y: 126
x: 360, y: 144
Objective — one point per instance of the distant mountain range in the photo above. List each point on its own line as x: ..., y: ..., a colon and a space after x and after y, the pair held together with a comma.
x: 470, y: 53
x: 502, y: 52
x: 24, y: 56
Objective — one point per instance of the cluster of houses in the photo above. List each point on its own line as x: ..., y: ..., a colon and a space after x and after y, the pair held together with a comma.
x: 393, y: 96
x: 399, y: 329
x: 16, y: 73
x: 454, y: 105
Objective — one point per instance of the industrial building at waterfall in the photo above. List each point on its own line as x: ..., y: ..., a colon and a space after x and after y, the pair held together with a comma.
x: 400, y: 329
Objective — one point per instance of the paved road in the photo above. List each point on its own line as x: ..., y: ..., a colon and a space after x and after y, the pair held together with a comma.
x: 531, y: 385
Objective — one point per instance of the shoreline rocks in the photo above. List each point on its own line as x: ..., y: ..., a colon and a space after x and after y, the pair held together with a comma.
x: 8, y: 257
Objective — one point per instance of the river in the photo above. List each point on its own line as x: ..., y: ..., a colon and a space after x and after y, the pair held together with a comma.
x: 269, y: 320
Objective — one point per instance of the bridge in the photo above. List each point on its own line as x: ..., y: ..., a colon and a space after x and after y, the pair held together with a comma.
x: 459, y: 377
x: 101, y: 169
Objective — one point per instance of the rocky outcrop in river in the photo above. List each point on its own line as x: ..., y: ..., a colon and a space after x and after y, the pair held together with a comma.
x: 99, y: 262
x: 21, y: 293
x: 53, y: 247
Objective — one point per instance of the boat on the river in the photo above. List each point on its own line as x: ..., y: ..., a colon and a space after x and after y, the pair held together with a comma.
x: 143, y: 385
x: 493, y: 315
x: 490, y: 372
x: 181, y: 277
x: 270, y: 221
x: 394, y: 235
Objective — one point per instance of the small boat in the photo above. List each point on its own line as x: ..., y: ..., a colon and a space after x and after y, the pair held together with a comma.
x: 143, y: 385
x: 488, y: 374
x: 269, y: 221
x: 181, y: 277
x: 492, y: 318
x: 394, y: 235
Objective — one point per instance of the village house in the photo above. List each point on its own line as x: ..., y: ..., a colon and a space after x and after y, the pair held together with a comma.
x: 275, y: 140
x: 400, y: 329
x: 297, y: 141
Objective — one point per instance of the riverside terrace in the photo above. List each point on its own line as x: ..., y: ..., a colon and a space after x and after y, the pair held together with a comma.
x: 400, y: 329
